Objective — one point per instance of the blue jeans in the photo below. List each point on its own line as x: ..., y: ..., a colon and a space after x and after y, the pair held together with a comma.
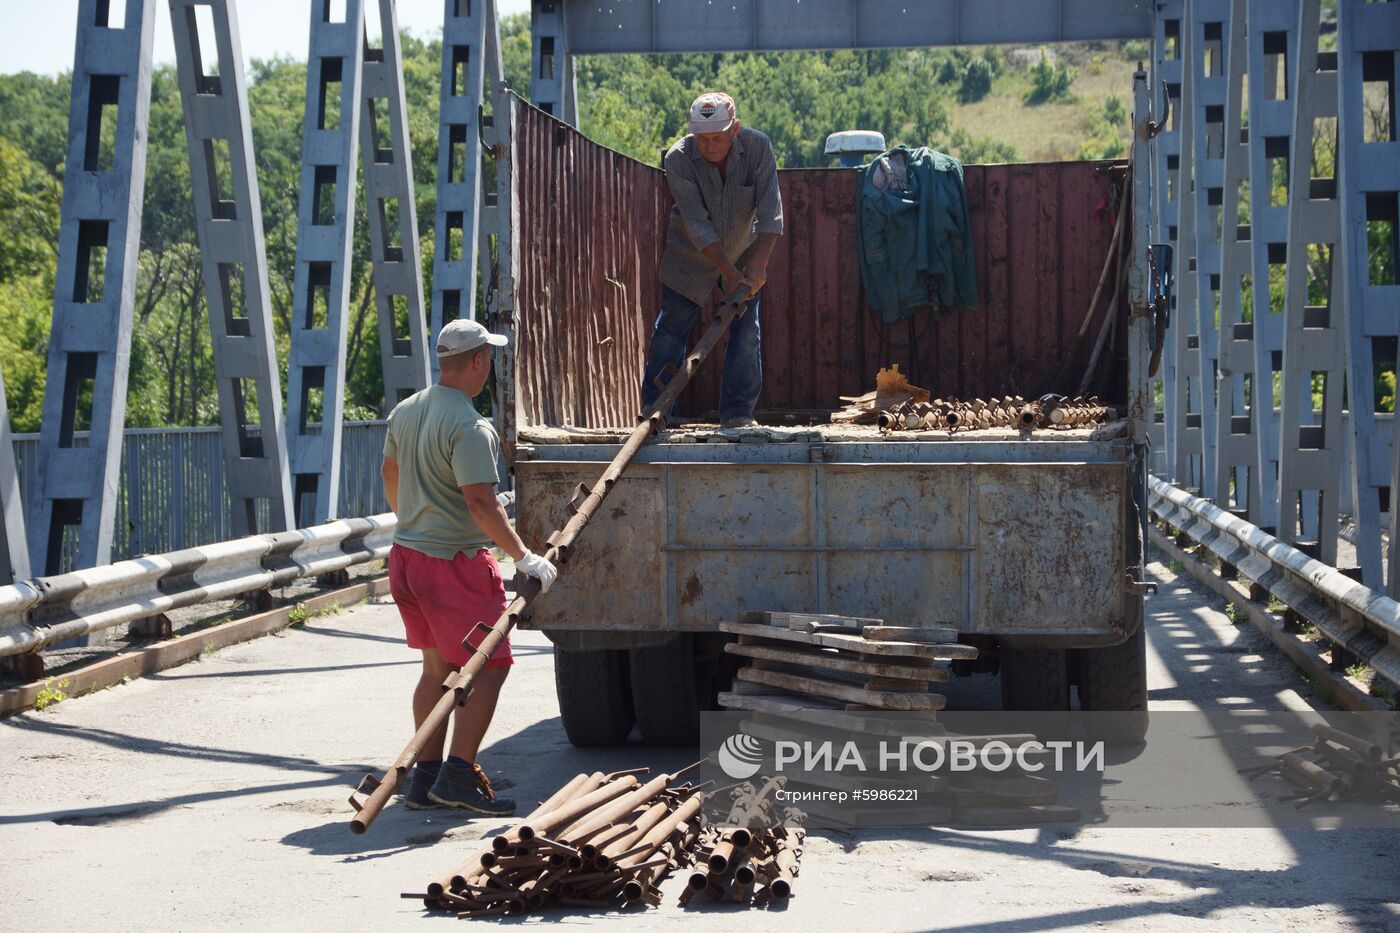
x: 743, y: 362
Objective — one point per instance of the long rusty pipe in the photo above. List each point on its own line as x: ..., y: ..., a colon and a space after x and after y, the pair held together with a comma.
x: 381, y: 789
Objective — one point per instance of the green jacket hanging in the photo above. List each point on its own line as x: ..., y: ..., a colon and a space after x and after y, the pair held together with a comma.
x: 914, y: 233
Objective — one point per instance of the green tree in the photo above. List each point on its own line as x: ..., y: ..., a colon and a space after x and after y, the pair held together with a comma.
x: 976, y: 81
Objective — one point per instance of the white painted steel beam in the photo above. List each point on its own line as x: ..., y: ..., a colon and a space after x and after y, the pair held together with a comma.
x: 466, y: 24
x: 1166, y: 202
x: 393, y: 214
x: 14, y: 544
x: 1314, y: 333
x: 325, y: 242
x: 553, y: 84
x: 624, y: 26
x: 228, y: 218
x: 1369, y: 180
x: 1236, y: 447
x: 1207, y: 71
x: 74, y: 511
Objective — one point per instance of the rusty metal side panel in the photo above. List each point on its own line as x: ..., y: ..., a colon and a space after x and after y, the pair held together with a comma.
x: 1050, y: 548
x: 1030, y: 549
x: 588, y: 237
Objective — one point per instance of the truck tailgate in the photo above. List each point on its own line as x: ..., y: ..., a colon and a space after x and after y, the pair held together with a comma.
x: 1017, y: 548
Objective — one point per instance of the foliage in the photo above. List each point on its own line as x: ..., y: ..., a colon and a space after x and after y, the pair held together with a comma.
x: 52, y: 692
x: 1137, y: 50
x: 976, y: 81
x: 634, y: 104
x: 1049, y: 81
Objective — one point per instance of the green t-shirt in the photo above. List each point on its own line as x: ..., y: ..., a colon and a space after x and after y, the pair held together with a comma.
x: 441, y: 443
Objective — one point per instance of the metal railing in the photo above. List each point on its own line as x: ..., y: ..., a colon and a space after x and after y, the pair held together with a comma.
x: 179, y: 495
x: 47, y: 610
x: 1354, y: 617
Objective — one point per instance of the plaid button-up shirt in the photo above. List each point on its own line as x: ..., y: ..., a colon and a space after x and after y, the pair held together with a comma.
x: 731, y: 211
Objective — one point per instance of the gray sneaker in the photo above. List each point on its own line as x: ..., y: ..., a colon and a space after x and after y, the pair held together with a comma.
x: 467, y: 788
x: 740, y: 422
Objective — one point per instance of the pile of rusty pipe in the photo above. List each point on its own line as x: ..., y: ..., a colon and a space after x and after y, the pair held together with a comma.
x: 741, y: 865
x: 637, y: 833
x: 1338, y: 766
x: 527, y: 588
x: 1076, y: 412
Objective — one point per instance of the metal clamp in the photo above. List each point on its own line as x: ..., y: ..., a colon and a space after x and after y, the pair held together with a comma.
x: 581, y: 493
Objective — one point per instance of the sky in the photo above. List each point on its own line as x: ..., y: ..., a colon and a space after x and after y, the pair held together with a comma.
x: 38, y: 35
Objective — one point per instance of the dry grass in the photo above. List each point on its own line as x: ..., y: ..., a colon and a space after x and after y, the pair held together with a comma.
x: 1050, y: 131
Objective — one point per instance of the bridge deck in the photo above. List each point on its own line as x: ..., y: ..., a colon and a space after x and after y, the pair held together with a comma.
x: 213, y: 795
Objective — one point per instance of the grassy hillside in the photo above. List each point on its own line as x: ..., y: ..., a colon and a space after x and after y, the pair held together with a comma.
x: 1070, y: 127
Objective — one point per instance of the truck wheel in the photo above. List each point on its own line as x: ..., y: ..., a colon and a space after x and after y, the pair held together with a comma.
x: 1034, y: 679
x: 595, y: 698
x: 1114, y: 679
x: 666, y: 694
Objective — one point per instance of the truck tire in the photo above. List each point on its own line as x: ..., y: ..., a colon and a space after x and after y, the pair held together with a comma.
x: 1034, y: 679
x: 666, y: 693
x: 1114, y: 679
x: 595, y: 697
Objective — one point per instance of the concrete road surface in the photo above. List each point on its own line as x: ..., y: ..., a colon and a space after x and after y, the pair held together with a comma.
x: 213, y: 796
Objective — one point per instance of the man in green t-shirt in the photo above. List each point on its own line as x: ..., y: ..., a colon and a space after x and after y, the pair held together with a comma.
x: 440, y: 478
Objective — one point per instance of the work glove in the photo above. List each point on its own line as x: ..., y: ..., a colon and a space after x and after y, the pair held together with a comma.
x: 536, y: 566
x: 506, y: 499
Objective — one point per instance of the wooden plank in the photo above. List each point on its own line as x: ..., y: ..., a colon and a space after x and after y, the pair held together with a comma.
x: 843, y: 642
x: 1006, y: 785
x: 167, y: 654
x: 815, y: 710
x: 803, y: 621
x: 1015, y: 816
x: 896, y: 684
x: 816, y: 686
x: 837, y: 662
x: 968, y: 799
x: 929, y: 635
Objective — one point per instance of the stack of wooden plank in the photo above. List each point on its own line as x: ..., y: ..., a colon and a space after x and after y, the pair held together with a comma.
x: 811, y: 674
x: 838, y: 663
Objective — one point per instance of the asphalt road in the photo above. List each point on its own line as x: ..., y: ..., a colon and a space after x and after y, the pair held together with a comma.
x: 213, y: 796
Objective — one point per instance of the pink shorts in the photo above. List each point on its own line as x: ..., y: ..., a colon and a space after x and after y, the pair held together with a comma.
x: 442, y: 600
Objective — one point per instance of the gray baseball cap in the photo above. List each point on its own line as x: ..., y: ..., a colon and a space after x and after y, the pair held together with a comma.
x: 462, y: 335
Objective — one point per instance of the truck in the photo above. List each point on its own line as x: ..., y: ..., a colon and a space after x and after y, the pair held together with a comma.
x: 1029, y: 544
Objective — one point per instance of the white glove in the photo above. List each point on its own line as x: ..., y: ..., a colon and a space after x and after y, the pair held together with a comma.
x: 506, y: 499
x: 539, y: 568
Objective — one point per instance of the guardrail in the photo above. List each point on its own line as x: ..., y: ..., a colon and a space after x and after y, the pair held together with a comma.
x: 1352, y: 616
x: 35, y: 614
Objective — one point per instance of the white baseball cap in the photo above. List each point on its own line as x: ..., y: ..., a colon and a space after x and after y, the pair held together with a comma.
x: 462, y: 335
x: 711, y: 113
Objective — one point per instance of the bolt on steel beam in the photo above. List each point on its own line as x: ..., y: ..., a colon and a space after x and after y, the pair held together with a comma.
x: 1237, y: 449
x: 1314, y: 322
x: 233, y: 258
x: 1188, y: 463
x: 1166, y: 199
x: 387, y: 162
x: 1369, y: 176
x: 466, y: 25
x: 553, y: 85
x: 1208, y: 69
x: 1272, y: 69
x: 14, y: 545
x: 325, y: 240
x: 99, y: 236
